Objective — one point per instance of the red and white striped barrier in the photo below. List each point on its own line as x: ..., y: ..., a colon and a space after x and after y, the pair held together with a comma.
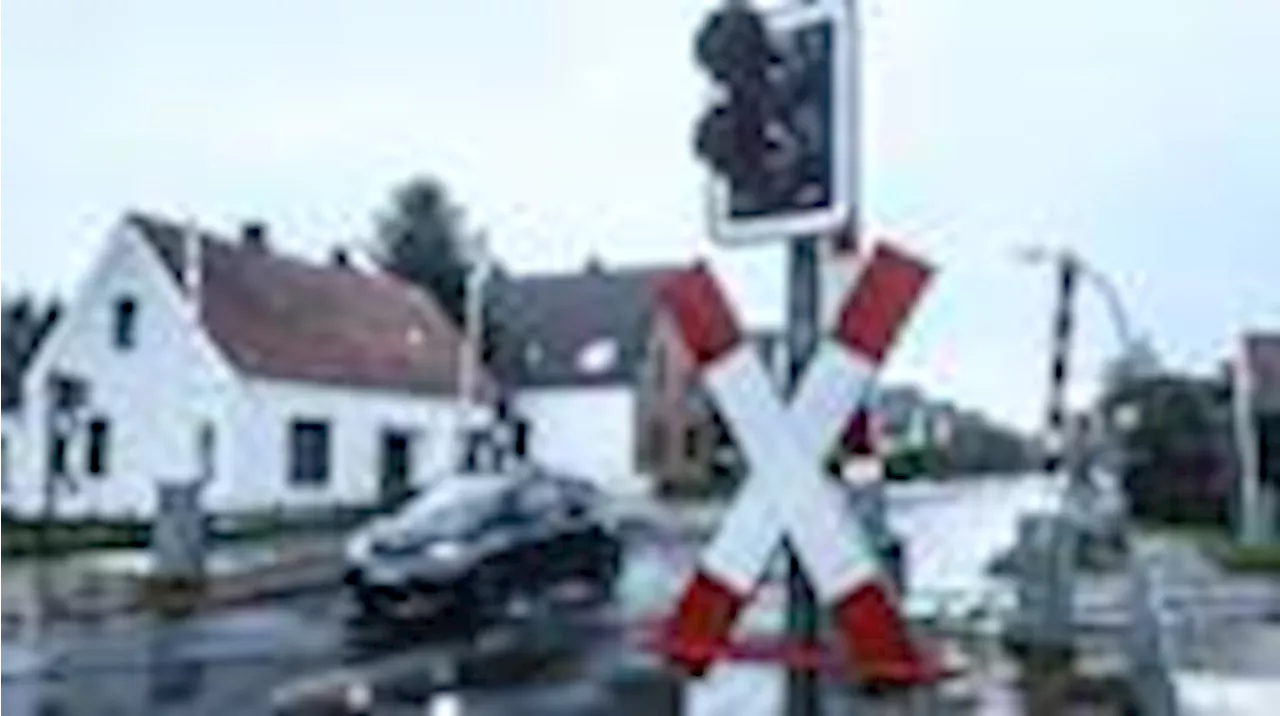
x: 787, y: 495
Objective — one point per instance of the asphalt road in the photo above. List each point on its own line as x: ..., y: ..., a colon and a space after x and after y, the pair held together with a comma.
x: 313, y: 654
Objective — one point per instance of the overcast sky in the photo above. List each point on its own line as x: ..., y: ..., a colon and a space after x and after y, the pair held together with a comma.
x: 1145, y: 133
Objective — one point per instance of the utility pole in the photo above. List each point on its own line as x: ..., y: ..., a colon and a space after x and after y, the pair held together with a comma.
x: 1059, y: 364
x: 780, y: 138
x: 473, y: 335
x: 62, y: 395
x: 802, y: 339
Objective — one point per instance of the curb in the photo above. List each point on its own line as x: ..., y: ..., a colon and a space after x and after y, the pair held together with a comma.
x: 194, y: 596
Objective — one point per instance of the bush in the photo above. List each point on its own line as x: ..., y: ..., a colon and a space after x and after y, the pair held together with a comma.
x: 22, y: 537
x: 1263, y: 559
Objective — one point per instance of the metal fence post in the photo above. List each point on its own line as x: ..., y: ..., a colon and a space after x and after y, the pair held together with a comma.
x: 178, y: 534
x: 1148, y: 649
x: 1040, y: 632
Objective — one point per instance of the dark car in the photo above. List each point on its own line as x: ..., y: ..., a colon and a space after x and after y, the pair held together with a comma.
x: 471, y: 543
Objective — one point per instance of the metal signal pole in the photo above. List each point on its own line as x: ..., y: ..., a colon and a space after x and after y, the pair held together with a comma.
x: 802, y: 339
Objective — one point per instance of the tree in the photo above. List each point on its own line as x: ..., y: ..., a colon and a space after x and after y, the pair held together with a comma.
x: 27, y: 323
x: 422, y: 238
x: 1176, y: 447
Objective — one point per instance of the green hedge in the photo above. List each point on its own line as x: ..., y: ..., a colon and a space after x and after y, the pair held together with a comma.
x: 22, y: 537
x: 1263, y: 559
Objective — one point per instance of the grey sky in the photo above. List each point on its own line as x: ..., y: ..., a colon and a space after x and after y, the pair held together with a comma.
x: 1146, y: 133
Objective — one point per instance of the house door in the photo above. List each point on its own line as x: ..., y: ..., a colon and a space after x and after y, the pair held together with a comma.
x: 396, y: 466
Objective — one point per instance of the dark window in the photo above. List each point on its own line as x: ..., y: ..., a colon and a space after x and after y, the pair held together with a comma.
x: 309, y: 453
x: 58, y: 455
x: 126, y: 318
x: 691, y: 443
x: 99, y: 438
x: 520, y: 444
x: 396, y: 465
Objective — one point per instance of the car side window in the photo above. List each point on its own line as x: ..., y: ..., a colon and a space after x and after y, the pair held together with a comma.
x: 540, y: 503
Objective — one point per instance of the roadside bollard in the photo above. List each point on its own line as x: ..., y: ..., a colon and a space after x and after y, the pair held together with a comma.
x: 178, y: 546
x: 1040, y: 632
x: 870, y: 505
x: 1149, y: 662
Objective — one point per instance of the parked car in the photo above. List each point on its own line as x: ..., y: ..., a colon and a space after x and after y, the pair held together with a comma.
x: 469, y: 543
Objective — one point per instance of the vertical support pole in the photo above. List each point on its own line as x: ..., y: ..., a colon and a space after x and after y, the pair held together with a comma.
x: 1056, y: 429
x: 41, y: 574
x: 802, y: 339
x: 1041, y: 632
x: 469, y: 350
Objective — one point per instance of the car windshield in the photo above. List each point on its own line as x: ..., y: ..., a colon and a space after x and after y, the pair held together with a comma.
x: 455, y: 506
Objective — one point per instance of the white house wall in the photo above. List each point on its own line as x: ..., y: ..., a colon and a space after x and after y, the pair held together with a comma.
x: 155, y: 395
x: 586, y: 431
x: 356, y: 419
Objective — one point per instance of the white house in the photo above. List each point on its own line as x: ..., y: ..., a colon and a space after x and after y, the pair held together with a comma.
x: 580, y: 351
x: 284, y: 384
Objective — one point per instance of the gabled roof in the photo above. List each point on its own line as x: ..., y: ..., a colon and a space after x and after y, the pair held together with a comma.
x: 579, y: 329
x: 281, y: 317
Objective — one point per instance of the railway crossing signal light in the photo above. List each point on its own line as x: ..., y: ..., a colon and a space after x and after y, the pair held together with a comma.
x: 778, y: 136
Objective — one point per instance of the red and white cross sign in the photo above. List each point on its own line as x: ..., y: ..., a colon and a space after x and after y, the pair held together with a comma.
x: 787, y: 495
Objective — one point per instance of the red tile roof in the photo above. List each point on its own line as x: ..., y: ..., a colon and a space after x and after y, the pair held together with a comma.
x: 281, y: 317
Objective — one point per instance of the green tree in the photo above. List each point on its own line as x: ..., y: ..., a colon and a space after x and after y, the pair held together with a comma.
x: 422, y: 237
x: 1176, y: 458
x: 27, y: 323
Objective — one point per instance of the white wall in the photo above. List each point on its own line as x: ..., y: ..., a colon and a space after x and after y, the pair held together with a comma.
x: 356, y: 419
x: 586, y: 431
x: 154, y: 395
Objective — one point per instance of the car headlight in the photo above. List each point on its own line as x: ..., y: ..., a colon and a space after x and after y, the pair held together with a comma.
x: 445, y: 551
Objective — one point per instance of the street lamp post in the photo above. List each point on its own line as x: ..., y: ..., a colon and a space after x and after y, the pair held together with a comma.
x: 1070, y: 266
x: 478, y: 269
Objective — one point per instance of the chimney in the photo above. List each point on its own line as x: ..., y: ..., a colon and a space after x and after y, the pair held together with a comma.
x: 253, y: 234
x: 339, y: 258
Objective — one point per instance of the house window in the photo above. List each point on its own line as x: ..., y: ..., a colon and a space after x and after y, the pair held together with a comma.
x: 58, y: 455
x: 691, y: 443
x: 309, y: 453
x: 396, y: 468
x: 126, y: 320
x: 99, y: 439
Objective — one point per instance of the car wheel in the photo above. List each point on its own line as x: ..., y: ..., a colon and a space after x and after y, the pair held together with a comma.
x: 482, y: 598
x: 369, y: 604
x: 602, y: 574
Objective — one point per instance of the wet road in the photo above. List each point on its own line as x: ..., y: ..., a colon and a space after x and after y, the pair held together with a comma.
x: 305, y: 653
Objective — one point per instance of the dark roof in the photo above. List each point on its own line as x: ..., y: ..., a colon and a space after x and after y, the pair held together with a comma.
x: 1262, y: 352
x: 281, y: 317
x: 586, y: 328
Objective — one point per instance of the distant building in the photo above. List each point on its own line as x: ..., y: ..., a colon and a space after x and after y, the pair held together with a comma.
x: 1256, y: 420
x: 284, y: 384
x: 599, y: 371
